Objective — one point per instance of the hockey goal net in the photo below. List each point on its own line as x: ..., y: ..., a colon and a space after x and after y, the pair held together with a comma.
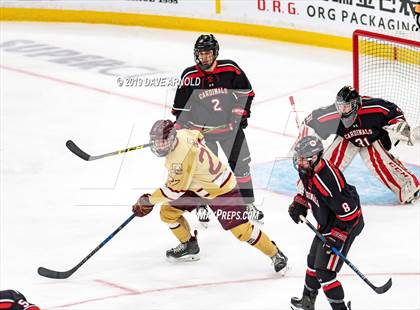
x: 389, y: 68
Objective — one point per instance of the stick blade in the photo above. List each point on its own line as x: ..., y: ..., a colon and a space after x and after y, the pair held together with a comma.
x: 48, y: 273
x: 384, y: 288
x: 77, y: 151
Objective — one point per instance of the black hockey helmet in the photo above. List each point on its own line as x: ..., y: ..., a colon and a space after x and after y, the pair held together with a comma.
x: 348, y: 103
x: 162, y: 137
x: 309, y: 149
x: 205, y: 42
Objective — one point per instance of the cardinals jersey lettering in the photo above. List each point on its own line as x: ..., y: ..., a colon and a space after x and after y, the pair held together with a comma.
x: 193, y: 167
x: 210, y: 102
x: 373, y: 115
x: 334, y: 202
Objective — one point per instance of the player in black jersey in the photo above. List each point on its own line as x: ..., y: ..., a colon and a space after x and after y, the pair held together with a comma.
x: 361, y: 125
x: 215, y: 96
x: 336, y: 207
x: 14, y: 300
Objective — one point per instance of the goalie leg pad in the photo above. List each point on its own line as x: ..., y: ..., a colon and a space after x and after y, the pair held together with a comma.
x: 176, y: 222
x: 341, y: 152
x: 254, y: 236
x: 390, y: 171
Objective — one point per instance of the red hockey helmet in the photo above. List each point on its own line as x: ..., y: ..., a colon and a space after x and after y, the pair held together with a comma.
x: 162, y: 137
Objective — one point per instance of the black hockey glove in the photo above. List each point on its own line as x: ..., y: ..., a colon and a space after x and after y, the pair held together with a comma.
x: 335, y: 238
x: 240, y: 117
x: 298, y: 207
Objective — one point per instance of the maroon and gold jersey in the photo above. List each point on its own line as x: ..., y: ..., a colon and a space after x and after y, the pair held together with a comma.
x: 193, y: 167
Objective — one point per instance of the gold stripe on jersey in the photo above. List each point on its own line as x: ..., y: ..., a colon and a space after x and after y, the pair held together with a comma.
x: 193, y: 167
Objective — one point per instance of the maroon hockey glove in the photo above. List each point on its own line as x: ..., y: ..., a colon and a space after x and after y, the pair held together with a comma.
x: 335, y: 238
x: 143, y: 206
x: 298, y: 207
x: 239, y: 117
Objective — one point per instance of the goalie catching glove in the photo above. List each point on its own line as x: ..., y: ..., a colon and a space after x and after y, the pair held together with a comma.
x: 402, y: 131
x: 143, y: 206
x: 298, y: 207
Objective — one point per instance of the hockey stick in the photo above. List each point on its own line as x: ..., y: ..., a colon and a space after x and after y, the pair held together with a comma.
x: 298, y: 124
x: 83, y: 155
x: 292, y: 103
x: 380, y: 290
x: 45, y: 272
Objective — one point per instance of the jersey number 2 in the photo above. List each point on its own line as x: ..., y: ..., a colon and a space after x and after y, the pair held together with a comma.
x: 216, y: 105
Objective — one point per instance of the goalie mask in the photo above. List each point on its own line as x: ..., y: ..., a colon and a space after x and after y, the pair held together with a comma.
x: 162, y: 137
x: 348, y: 103
x: 202, y: 48
x: 308, y: 153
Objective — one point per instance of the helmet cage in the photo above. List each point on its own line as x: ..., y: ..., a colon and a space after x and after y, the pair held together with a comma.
x: 309, y: 149
x: 161, y: 146
x: 206, y: 43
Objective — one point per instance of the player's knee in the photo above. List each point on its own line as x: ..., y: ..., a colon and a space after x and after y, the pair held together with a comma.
x: 169, y: 214
x: 325, y: 275
x: 246, y: 232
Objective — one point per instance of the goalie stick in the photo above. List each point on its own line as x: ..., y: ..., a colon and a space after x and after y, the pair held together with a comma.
x: 48, y: 273
x: 378, y: 289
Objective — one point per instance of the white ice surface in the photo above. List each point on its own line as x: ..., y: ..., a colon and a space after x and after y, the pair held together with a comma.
x: 56, y: 208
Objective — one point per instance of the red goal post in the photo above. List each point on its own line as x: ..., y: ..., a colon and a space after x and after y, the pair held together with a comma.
x: 388, y: 67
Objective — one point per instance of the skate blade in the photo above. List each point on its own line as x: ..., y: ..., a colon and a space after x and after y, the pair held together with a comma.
x: 186, y: 258
x: 282, y: 273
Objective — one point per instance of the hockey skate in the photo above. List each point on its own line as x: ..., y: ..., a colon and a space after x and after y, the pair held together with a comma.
x: 280, y: 262
x: 307, y: 302
x: 186, y: 251
x: 254, y: 214
x: 415, y: 198
x: 203, y: 215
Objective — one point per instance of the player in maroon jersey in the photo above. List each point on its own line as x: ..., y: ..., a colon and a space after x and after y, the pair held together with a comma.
x: 336, y: 207
x: 14, y: 300
x: 215, y: 96
x: 362, y: 125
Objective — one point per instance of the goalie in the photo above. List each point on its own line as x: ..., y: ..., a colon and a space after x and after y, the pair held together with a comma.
x: 361, y: 125
x: 196, y: 176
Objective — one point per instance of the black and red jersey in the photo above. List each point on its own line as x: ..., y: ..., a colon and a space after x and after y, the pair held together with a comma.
x: 372, y: 116
x: 206, y: 99
x: 14, y: 300
x: 334, y: 202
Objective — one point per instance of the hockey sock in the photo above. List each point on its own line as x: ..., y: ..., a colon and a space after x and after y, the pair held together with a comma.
x: 311, y: 282
x: 332, y: 288
x: 246, y: 188
x: 181, y: 229
x: 264, y: 244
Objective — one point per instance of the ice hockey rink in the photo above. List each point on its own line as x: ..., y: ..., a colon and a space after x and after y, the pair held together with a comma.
x: 56, y: 208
